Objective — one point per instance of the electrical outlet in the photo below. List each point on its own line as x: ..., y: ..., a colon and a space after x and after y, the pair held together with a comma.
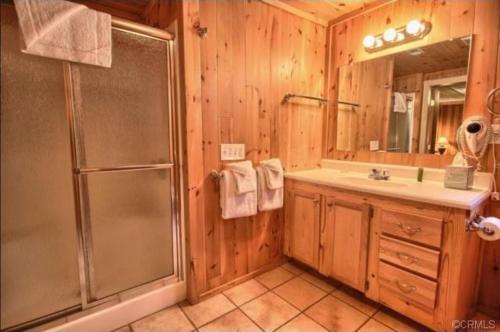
x: 374, y: 145
x: 232, y: 151
x: 495, y: 196
x: 495, y: 138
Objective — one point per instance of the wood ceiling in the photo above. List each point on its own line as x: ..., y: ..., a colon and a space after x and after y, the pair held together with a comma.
x: 319, y: 11
x: 325, y: 12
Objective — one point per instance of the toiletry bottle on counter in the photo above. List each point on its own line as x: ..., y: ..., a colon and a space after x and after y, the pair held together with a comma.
x: 420, y: 174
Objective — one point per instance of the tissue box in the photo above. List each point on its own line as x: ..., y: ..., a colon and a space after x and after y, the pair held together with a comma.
x: 459, y: 177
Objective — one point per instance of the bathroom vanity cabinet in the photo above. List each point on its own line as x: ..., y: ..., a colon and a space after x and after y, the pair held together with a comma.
x: 415, y: 258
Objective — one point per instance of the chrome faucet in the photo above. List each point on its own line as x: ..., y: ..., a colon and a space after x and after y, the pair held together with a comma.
x: 379, y: 174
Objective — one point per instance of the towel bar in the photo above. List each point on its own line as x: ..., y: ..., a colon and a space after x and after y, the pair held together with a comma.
x: 289, y: 96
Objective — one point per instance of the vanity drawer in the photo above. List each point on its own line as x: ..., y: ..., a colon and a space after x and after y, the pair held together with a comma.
x: 413, y: 227
x: 407, y: 285
x: 409, y: 308
x: 409, y: 256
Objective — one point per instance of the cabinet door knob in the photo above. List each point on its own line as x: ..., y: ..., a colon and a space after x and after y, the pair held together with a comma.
x: 405, y: 288
x: 409, y: 230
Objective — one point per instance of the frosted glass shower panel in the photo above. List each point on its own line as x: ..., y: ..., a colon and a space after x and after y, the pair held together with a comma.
x: 130, y: 218
x: 121, y: 112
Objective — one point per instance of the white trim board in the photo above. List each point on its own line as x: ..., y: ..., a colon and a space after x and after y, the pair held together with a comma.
x: 124, y: 313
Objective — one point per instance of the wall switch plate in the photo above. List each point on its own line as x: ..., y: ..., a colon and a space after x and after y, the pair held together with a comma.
x: 374, y: 145
x: 495, y: 137
x: 232, y: 151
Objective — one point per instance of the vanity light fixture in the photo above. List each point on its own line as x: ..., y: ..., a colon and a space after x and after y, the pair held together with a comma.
x: 390, y: 35
x: 369, y: 41
x: 415, y: 29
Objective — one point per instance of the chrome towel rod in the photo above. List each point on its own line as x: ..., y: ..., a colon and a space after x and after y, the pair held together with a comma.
x: 347, y: 103
x: 289, y: 96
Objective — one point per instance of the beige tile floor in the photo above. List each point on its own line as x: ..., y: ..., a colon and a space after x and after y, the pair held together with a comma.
x: 286, y: 299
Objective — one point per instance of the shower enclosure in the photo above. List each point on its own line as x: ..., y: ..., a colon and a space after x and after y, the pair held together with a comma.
x: 90, y: 180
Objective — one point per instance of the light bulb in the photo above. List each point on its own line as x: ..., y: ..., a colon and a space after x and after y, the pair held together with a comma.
x: 414, y: 27
x: 369, y: 41
x: 390, y: 35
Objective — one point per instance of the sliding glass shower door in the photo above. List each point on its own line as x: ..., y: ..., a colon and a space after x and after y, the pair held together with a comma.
x: 124, y: 164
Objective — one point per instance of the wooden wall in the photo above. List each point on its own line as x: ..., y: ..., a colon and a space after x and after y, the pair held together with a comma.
x: 235, y: 80
x: 449, y: 19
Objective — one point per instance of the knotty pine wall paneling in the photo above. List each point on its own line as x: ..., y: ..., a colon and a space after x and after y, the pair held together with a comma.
x: 450, y: 19
x: 235, y: 81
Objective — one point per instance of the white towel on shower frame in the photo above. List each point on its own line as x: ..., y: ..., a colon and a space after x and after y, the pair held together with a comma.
x: 65, y: 30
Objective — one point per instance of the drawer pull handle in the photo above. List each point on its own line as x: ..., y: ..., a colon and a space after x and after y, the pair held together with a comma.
x: 405, y: 288
x: 407, y: 259
x: 408, y: 229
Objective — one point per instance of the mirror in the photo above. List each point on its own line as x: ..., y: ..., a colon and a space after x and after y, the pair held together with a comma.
x: 410, y: 102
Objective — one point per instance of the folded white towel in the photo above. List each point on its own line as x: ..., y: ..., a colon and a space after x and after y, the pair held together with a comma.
x: 245, y: 177
x: 269, y: 199
x: 273, y: 171
x: 65, y: 30
x: 236, y: 205
x: 399, y: 102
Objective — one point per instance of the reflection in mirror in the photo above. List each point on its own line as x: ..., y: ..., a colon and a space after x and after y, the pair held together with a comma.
x: 408, y: 102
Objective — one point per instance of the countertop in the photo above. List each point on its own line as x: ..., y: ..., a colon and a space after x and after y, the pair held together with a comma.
x: 432, y: 192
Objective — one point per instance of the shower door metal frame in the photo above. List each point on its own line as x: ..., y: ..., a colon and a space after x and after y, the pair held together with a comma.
x: 85, y: 260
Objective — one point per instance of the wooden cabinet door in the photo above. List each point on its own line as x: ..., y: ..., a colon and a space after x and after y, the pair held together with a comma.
x: 344, y: 242
x: 303, y: 219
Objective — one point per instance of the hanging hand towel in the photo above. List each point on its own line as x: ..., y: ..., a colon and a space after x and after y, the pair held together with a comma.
x: 399, y: 102
x: 244, y: 175
x: 65, y: 30
x: 268, y: 199
x: 273, y: 172
x: 236, y: 205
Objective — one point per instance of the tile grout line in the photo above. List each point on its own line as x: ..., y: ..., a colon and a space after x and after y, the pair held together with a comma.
x: 341, y: 300
x: 328, y: 292
x: 303, y: 312
x: 213, y: 320
x: 300, y: 311
x: 378, y: 321
x: 323, y: 297
x: 187, y: 317
x: 253, y: 298
x: 293, y: 305
x: 281, y: 283
x: 270, y: 290
x: 369, y: 318
x: 238, y: 307
x: 151, y: 314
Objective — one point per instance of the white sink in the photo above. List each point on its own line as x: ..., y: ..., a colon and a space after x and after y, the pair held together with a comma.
x: 374, y: 183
